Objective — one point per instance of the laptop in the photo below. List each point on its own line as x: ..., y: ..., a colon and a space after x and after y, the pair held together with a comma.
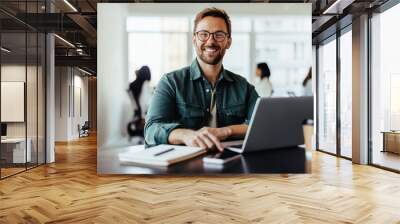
x: 275, y: 123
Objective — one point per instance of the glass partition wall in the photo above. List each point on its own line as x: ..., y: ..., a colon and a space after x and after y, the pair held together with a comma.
x: 22, y: 77
x: 345, y: 62
x: 13, y: 90
x: 327, y: 96
x: 334, y: 125
x: 385, y: 90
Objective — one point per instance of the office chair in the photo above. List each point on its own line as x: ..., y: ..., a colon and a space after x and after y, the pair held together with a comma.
x: 84, y: 130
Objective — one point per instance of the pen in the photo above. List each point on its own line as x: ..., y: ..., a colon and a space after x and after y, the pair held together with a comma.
x: 162, y: 152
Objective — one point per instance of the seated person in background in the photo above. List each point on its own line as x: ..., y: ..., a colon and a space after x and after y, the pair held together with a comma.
x: 307, y: 84
x: 140, y: 92
x: 202, y: 104
x: 263, y: 84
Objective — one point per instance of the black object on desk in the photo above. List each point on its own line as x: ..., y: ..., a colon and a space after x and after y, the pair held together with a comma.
x: 3, y: 129
x: 283, y: 160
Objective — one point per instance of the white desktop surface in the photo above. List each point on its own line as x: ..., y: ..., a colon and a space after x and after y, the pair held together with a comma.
x: 19, y: 149
x: 13, y: 140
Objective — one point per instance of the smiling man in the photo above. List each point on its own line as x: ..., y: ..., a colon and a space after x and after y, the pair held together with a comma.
x: 202, y: 104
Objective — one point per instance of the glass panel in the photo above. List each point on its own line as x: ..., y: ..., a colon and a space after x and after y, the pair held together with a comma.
x: 22, y: 88
x: 346, y: 94
x: 31, y: 86
x: 386, y: 89
x: 31, y: 98
x: 327, y: 97
x: 41, y: 98
x: 13, y: 92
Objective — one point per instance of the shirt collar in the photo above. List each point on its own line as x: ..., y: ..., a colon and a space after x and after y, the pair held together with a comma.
x: 196, y: 72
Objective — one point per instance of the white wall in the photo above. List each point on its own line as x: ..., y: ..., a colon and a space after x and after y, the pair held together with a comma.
x: 79, y: 117
x: 13, y: 73
x: 69, y: 82
x: 33, y: 126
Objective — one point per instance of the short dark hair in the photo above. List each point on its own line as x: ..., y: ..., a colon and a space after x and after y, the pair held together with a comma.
x: 214, y: 12
x: 265, y: 72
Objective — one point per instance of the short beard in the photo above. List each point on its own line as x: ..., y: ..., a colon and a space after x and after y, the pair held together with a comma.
x: 214, y: 61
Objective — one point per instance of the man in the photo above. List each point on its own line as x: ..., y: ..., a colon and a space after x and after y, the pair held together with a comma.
x: 202, y: 104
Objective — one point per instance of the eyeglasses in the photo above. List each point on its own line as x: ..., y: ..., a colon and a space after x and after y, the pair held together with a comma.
x: 204, y: 35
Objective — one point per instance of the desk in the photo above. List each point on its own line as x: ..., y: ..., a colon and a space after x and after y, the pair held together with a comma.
x: 391, y: 141
x: 17, y: 150
x: 287, y: 160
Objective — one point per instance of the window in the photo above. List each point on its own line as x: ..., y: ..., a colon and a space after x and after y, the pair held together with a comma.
x: 239, y: 51
x: 157, y: 43
x: 151, y: 49
x: 385, y: 87
x: 346, y: 94
x: 327, y: 97
x: 283, y: 43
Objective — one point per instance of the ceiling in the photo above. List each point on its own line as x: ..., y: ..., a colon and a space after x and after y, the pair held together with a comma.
x: 77, y: 22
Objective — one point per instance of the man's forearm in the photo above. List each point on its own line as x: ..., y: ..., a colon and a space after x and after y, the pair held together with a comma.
x: 238, y: 130
x: 157, y: 132
x: 176, y: 136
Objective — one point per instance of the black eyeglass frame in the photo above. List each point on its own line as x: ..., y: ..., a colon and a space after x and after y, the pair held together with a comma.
x: 226, y: 35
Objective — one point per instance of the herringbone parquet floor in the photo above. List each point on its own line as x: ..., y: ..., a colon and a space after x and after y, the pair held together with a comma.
x: 69, y: 191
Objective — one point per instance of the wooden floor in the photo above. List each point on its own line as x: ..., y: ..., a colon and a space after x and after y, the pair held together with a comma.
x: 386, y: 159
x: 69, y: 191
x: 5, y: 172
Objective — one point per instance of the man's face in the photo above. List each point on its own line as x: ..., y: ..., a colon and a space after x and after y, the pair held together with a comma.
x: 211, y: 51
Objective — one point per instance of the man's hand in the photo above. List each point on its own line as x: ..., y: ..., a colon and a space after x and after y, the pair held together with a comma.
x: 220, y: 133
x: 207, y: 138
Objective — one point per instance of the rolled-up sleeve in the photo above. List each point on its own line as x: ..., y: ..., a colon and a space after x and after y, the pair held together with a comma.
x: 252, y: 97
x: 161, y: 118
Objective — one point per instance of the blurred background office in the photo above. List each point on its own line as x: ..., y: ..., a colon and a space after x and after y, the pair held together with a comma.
x: 283, y: 41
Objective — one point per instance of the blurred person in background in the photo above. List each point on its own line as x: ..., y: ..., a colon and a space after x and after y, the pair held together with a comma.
x: 307, y: 84
x: 263, y: 84
x: 140, y: 92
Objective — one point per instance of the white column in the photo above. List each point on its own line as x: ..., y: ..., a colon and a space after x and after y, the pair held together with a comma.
x: 50, y: 99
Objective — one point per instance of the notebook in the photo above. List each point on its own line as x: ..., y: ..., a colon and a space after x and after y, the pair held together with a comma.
x: 161, y: 155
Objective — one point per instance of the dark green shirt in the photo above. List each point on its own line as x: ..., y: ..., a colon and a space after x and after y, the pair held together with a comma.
x: 182, y: 100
